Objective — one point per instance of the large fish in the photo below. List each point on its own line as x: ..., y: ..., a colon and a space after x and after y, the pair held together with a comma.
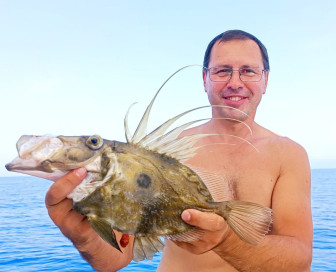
x: 140, y: 187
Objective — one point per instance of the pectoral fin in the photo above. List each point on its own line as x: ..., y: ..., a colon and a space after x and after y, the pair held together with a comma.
x: 103, y: 228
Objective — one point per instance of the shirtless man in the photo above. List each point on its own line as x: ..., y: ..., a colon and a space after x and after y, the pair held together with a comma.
x: 276, y: 176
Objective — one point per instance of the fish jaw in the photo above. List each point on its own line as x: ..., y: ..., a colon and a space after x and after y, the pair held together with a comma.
x: 33, y: 151
x: 30, y: 167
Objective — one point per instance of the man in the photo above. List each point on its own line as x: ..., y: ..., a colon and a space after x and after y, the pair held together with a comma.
x: 277, y: 176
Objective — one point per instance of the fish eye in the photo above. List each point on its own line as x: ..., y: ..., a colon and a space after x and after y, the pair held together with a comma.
x: 95, y: 142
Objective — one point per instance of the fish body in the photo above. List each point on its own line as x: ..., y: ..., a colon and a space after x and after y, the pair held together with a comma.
x: 145, y: 193
x: 140, y: 187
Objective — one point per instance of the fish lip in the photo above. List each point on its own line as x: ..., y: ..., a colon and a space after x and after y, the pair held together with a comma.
x: 9, y: 167
x: 19, y: 164
x: 12, y: 166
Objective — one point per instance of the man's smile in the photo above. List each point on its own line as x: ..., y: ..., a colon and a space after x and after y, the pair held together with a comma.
x: 234, y: 100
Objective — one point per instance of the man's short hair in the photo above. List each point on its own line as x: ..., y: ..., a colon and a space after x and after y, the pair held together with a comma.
x: 236, y: 35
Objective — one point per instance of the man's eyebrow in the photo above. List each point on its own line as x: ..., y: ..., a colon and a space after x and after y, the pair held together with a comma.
x: 249, y: 66
x: 230, y: 66
x: 224, y: 65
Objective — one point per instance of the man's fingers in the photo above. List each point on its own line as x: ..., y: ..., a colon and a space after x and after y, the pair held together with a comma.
x: 61, y: 188
x: 214, y: 226
x: 204, y: 220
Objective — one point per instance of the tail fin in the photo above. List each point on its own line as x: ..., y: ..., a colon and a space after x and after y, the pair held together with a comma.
x: 250, y: 221
x: 146, y: 246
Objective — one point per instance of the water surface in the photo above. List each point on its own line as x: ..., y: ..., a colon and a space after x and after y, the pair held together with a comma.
x: 29, y: 241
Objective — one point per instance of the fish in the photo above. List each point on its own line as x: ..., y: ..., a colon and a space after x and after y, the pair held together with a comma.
x: 140, y: 187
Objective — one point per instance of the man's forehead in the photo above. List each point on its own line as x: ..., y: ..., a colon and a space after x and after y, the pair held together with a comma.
x: 236, y: 52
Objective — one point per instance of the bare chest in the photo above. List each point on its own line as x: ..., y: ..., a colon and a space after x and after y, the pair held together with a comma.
x: 248, y: 176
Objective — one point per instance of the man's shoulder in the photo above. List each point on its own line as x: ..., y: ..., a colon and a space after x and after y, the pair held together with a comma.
x: 287, y: 149
x: 280, y: 143
x: 275, y: 138
x: 194, y: 130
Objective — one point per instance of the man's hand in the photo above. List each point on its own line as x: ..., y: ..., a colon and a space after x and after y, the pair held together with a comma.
x: 101, y: 255
x: 73, y: 225
x: 215, y: 231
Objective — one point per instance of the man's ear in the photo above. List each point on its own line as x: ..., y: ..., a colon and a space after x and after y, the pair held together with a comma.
x: 266, y: 81
x: 204, y: 74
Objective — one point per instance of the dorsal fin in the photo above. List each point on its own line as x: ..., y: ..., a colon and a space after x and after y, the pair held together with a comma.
x: 184, y: 148
x: 127, y: 131
x: 142, y: 127
x: 159, y: 131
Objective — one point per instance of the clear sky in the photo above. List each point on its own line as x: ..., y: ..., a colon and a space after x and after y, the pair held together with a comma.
x: 74, y: 67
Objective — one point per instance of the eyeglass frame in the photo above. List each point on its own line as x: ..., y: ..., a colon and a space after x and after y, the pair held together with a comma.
x: 235, y: 69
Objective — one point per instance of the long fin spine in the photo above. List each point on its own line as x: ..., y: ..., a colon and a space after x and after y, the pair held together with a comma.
x: 127, y: 131
x: 142, y: 127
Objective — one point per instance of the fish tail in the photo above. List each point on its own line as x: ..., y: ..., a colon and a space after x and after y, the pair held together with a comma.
x: 250, y: 221
x: 146, y: 246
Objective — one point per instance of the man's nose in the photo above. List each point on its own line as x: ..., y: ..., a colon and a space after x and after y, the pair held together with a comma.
x: 235, y: 81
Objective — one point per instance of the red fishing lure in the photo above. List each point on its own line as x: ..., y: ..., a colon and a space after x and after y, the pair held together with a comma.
x: 124, y: 240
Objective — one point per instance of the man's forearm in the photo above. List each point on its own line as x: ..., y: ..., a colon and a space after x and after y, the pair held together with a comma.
x: 276, y: 253
x: 103, y: 257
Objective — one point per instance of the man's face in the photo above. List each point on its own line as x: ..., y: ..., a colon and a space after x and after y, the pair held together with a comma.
x: 235, y: 93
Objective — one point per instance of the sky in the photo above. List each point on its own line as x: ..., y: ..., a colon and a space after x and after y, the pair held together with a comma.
x: 74, y: 67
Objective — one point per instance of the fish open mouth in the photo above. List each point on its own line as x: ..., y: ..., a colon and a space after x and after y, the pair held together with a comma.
x: 30, y: 167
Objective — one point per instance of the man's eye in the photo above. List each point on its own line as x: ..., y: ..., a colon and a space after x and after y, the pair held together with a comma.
x: 223, y: 71
x: 247, y: 71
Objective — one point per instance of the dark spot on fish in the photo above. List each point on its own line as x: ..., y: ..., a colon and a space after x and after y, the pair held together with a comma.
x: 144, y: 181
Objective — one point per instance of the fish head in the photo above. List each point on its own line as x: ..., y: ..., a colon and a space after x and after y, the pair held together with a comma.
x: 51, y: 157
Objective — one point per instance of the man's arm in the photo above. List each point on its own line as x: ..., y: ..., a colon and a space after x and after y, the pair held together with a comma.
x: 100, y: 255
x: 289, y: 246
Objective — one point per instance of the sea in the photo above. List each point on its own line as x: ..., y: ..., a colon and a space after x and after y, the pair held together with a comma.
x: 29, y: 241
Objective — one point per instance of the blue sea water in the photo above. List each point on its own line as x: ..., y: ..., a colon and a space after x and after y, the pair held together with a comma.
x: 29, y: 241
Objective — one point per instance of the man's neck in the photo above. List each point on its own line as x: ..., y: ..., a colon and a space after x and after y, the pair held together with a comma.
x: 243, y: 129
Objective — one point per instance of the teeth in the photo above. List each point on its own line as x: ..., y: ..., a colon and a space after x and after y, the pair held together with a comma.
x: 235, y: 98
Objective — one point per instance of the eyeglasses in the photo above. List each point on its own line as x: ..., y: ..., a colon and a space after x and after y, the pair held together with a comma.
x: 246, y: 74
